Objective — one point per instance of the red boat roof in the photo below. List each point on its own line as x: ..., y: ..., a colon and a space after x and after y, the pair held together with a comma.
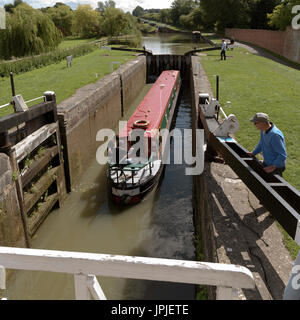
x: 154, y: 103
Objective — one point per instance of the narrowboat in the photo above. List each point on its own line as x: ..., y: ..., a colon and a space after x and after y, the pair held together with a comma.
x: 135, y: 166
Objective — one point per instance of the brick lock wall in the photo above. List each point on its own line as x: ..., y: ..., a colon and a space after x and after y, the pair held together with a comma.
x: 285, y: 43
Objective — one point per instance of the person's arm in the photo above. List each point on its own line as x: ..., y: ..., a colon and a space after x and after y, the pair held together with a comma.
x: 258, y: 148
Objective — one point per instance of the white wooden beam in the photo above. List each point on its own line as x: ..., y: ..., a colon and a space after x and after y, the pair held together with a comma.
x: 118, y: 266
x: 81, y: 290
x: 95, y: 288
x: 224, y: 293
x: 2, y: 278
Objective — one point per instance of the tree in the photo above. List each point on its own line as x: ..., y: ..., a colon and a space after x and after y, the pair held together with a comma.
x: 58, y: 4
x: 28, y: 32
x: 17, y: 2
x: 138, y: 11
x: 282, y: 16
x: 86, y: 21
x: 9, y: 7
x: 192, y: 21
x: 180, y: 7
x: 102, y: 6
x: 109, y: 4
x: 186, y: 21
x: 259, y: 11
x: 221, y: 14
x: 164, y: 15
x: 62, y: 16
x: 113, y: 22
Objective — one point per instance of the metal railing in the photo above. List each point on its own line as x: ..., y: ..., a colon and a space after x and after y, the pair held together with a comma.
x: 86, y: 266
x: 116, y: 168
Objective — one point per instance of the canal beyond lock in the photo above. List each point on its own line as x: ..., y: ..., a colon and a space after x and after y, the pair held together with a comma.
x: 160, y: 226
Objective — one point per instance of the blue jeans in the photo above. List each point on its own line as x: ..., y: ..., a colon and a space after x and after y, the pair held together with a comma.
x: 223, y: 54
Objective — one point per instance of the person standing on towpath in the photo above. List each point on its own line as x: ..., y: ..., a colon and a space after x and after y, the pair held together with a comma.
x: 223, y: 49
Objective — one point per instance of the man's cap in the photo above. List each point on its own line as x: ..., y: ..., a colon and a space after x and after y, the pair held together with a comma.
x: 260, y: 117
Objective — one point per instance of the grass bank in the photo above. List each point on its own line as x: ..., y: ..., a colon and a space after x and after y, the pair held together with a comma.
x: 256, y: 84
x: 60, y: 79
x: 71, y: 42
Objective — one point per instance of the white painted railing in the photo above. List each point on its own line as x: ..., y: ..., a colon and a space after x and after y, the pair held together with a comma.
x: 85, y: 266
x: 28, y: 101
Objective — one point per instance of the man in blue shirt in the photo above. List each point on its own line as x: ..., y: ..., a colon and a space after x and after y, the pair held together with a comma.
x: 271, y: 144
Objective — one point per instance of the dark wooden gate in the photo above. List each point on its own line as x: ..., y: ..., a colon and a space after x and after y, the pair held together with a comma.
x: 32, y: 141
x: 158, y: 63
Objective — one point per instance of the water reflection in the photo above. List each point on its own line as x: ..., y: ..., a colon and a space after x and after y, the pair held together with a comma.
x: 168, y: 43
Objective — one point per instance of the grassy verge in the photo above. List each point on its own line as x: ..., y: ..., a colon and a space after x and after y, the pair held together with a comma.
x: 276, y: 55
x: 60, y: 79
x: 70, y: 42
x: 30, y: 63
x: 71, y: 46
x: 256, y: 84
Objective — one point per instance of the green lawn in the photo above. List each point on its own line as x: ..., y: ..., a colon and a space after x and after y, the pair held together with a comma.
x: 60, y: 79
x: 256, y: 84
x: 73, y: 42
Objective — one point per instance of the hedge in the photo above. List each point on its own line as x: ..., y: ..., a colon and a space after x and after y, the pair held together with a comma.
x: 34, y: 62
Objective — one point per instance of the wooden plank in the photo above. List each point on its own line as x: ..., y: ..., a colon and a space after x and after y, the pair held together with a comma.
x: 20, y: 195
x: 40, y: 187
x: 61, y: 181
x: 35, y: 220
x: 38, y: 165
x: 276, y: 184
x: 12, y: 120
x: 32, y: 141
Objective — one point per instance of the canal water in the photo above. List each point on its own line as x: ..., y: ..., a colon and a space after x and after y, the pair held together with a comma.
x: 160, y: 226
